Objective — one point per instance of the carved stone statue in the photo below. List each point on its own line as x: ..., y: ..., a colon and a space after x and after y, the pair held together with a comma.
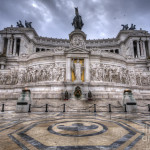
x: 19, y: 24
x: 66, y: 95
x: 89, y: 95
x: 77, y: 21
x: 77, y: 68
x: 28, y: 24
x: 125, y: 27
x: 133, y: 27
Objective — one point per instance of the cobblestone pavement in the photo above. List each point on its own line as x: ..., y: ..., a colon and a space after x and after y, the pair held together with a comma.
x: 74, y: 131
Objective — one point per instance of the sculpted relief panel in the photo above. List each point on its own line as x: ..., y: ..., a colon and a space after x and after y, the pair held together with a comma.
x: 57, y: 72
x: 77, y: 41
x: 37, y: 73
x: 117, y: 74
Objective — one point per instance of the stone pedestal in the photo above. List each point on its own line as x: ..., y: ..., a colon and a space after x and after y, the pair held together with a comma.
x: 129, y: 101
x: 148, y: 64
x: 131, y: 107
x: 2, y: 62
x: 23, y: 101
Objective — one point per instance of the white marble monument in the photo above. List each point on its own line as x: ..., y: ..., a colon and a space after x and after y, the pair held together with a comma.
x: 44, y: 65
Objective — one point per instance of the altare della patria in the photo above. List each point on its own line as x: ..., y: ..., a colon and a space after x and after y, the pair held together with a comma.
x: 71, y: 94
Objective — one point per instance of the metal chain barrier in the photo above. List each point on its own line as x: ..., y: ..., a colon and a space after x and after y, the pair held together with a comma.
x: 116, y: 106
x: 98, y: 106
x: 102, y: 106
x: 38, y: 106
x: 94, y: 106
x: 55, y: 106
x: 79, y: 108
x: 141, y: 106
x: 58, y: 106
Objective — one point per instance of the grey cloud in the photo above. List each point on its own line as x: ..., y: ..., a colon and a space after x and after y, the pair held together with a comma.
x: 52, y: 18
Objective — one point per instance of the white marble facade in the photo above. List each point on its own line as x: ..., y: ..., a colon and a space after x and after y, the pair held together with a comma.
x: 44, y: 65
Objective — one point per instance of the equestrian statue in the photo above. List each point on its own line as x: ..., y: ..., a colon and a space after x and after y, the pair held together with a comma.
x: 77, y: 21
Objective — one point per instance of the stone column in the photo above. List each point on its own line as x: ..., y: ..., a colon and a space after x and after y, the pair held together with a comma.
x: 149, y: 47
x: 68, y: 69
x: 1, y: 45
x: 22, y: 49
x: 131, y: 48
x: 144, y: 49
x: 8, y: 47
x: 138, y: 48
x: 86, y: 70
x: 14, y: 48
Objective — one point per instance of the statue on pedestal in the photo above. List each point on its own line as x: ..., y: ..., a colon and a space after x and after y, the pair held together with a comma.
x: 19, y: 24
x: 66, y: 95
x: 125, y: 27
x: 89, y: 95
x: 28, y: 24
x: 77, y: 21
x: 133, y: 27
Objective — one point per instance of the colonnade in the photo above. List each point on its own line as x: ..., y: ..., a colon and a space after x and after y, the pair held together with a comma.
x: 9, y: 46
x: 141, y: 48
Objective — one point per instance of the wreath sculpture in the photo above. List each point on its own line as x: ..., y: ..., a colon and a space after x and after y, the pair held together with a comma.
x: 77, y: 92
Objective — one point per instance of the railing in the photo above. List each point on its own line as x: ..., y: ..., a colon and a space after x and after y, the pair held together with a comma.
x: 4, y: 107
x: 91, y: 108
x: 48, y: 107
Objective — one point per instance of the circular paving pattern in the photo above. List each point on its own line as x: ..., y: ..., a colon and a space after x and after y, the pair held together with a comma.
x: 73, y: 132
x: 77, y: 129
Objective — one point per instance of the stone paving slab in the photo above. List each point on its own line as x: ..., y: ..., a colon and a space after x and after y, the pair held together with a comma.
x: 74, y: 131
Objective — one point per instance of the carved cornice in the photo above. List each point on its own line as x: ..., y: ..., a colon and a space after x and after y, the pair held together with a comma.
x: 77, y: 50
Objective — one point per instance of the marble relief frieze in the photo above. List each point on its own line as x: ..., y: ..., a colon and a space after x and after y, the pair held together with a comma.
x: 118, y: 74
x: 35, y: 73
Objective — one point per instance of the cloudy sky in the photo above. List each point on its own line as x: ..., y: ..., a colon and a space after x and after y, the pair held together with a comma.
x: 53, y: 18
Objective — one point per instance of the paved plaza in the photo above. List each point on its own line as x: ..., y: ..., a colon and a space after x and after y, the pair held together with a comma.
x: 74, y: 131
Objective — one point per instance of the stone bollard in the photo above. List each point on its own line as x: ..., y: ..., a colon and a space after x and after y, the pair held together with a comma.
x: 29, y: 108
x: 46, y: 108
x: 23, y: 101
x: 148, y: 107
x: 125, y: 108
x: 2, y: 107
x: 64, y: 108
x: 109, y: 107
x: 94, y: 107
